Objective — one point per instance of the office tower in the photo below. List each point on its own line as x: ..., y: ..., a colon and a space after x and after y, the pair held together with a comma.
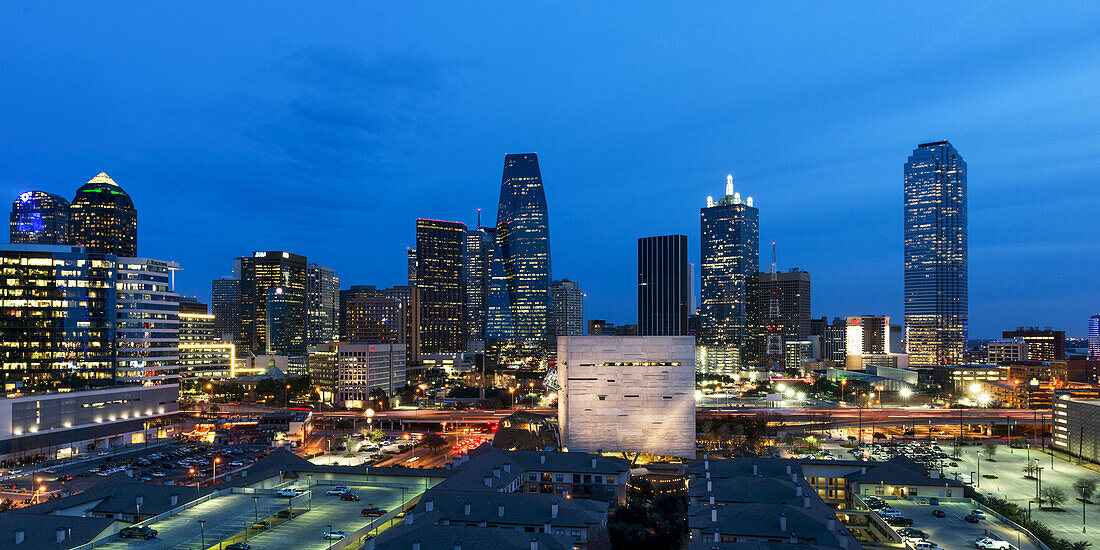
x: 1043, y: 344
x: 781, y: 313
x: 664, y: 286
x: 476, y: 269
x: 147, y: 329
x: 410, y: 298
x: 102, y: 218
x: 600, y: 327
x: 259, y: 273
x: 362, y: 368
x: 38, y: 217
x: 568, y: 310
x: 322, y: 304
x: 999, y: 353
x: 868, y: 338
x: 225, y: 305
x: 380, y: 320
x: 356, y: 291
x: 1094, y: 336
x: 58, y: 318
x: 627, y: 394
x: 412, y: 266
x: 439, y: 247
x: 322, y: 370
x: 833, y: 337
x: 730, y: 230
x: 278, y: 324
x: 936, y: 312
x: 201, y: 353
x: 519, y: 300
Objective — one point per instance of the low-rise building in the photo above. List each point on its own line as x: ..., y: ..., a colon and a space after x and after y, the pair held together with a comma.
x: 1077, y: 427
x: 362, y: 367
x: 966, y: 379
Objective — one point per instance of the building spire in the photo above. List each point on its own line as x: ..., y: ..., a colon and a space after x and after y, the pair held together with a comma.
x: 729, y: 184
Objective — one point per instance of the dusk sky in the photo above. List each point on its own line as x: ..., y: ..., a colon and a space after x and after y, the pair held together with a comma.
x: 328, y: 131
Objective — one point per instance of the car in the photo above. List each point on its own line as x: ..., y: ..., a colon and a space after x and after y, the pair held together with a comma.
x: 938, y: 514
x: 66, y: 478
x: 925, y: 545
x: 374, y: 511
x: 338, y: 490
x: 239, y: 546
x: 137, y: 533
x: 933, y: 501
x: 971, y: 518
x: 977, y: 513
x: 986, y: 542
x: 350, y: 496
x: 291, y: 493
x: 334, y: 535
x: 900, y: 521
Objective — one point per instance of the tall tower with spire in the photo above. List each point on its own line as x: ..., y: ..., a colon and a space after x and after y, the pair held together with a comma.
x: 730, y: 245
x: 476, y: 271
x: 102, y: 218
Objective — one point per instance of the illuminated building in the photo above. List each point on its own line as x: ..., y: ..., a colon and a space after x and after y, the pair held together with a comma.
x: 1006, y: 352
x: 1077, y: 427
x: 627, y: 394
x: 38, y: 217
x: 600, y: 327
x: 356, y: 291
x: 664, y: 285
x: 1043, y: 344
x: 1094, y: 336
x: 833, y: 336
x: 568, y: 310
x: 519, y: 296
x: 147, y: 326
x: 226, y: 307
x: 322, y: 371
x: 57, y: 317
x: 201, y: 353
x: 102, y: 218
x: 410, y: 297
x: 412, y: 266
x: 478, y: 258
x: 439, y: 248
x: 380, y: 320
x: 730, y: 230
x: 282, y: 336
x: 966, y: 380
x: 363, y: 367
x: 322, y: 305
x: 936, y: 272
x: 259, y: 273
x: 780, y: 313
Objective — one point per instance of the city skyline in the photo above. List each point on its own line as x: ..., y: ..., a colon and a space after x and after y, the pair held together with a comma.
x: 806, y: 194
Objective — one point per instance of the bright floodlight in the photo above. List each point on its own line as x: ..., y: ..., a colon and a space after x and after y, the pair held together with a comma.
x: 906, y: 392
x: 975, y: 387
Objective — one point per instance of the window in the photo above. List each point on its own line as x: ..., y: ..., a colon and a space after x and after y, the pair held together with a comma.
x: 880, y: 490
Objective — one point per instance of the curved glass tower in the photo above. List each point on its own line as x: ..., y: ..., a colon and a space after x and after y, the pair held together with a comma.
x: 103, y: 219
x: 936, y: 310
x: 519, y: 297
x: 38, y: 217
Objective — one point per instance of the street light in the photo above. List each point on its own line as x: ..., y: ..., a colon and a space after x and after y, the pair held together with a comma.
x: 202, y: 532
x: 255, y: 510
x: 214, y: 481
x: 328, y: 535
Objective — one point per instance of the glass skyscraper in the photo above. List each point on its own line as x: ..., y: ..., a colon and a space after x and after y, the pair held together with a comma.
x: 663, y: 286
x: 478, y: 257
x: 730, y: 230
x: 259, y: 273
x: 519, y: 298
x: 38, y: 217
x: 1094, y: 336
x: 936, y: 312
x: 102, y: 218
x: 322, y: 305
x: 439, y: 249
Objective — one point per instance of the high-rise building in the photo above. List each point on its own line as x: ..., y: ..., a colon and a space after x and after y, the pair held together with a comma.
x: 201, y: 353
x: 600, y: 327
x: 363, y: 367
x: 102, y: 218
x: 147, y: 326
x: 568, y: 308
x: 833, y: 337
x: 936, y: 272
x: 263, y: 271
x: 730, y: 230
x: 57, y: 317
x: 356, y: 291
x: 279, y: 326
x: 664, y: 286
x: 412, y: 266
x: 439, y: 247
x: 868, y: 343
x: 380, y: 320
x: 1094, y: 336
x: 410, y: 297
x: 322, y: 304
x: 478, y: 258
x: 780, y: 314
x: 225, y: 305
x: 1043, y: 344
x: 322, y: 370
x: 519, y: 297
x: 38, y: 217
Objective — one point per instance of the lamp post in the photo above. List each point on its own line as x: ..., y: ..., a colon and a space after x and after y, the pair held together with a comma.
x: 309, y: 490
x: 286, y: 396
x: 214, y: 481
x: 328, y: 535
x: 202, y: 532
x: 979, y: 455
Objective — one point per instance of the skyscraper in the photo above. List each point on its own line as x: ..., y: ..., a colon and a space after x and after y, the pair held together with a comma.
x: 1043, y: 344
x: 439, y: 247
x: 322, y: 305
x: 225, y: 304
x: 263, y: 271
x: 201, y: 353
x: 730, y: 230
x: 478, y: 258
x: 412, y: 266
x: 1094, y: 336
x: 38, y: 217
x: 664, y: 284
x: 379, y: 320
x: 410, y: 300
x: 936, y: 312
x: 356, y: 291
x: 147, y: 330
x: 519, y: 298
x: 102, y: 218
x: 280, y: 328
x: 781, y: 314
x: 568, y: 308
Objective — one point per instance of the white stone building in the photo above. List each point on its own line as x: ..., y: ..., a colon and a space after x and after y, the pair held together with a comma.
x: 627, y: 394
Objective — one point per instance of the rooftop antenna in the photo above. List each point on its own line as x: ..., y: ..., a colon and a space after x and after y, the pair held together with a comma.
x: 729, y: 184
x: 479, y: 217
x: 773, y: 258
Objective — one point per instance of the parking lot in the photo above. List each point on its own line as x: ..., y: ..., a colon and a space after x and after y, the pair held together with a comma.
x: 952, y: 532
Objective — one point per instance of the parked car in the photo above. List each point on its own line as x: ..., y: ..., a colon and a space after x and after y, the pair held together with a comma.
x: 971, y: 518
x: 239, y: 546
x: 977, y: 513
x: 900, y: 521
x: 350, y: 496
x: 938, y: 514
x: 137, y: 533
x: 334, y: 535
x: 374, y: 511
x: 338, y: 490
x: 933, y: 501
x: 290, y: 493
x: 986, y: 542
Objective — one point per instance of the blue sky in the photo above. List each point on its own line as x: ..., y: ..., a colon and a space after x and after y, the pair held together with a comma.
x: 328, y: 131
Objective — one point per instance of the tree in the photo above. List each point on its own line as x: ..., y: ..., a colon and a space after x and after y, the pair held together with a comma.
x: 956, y: 452
x: 1053, y: 496
x: 435, y: 441
x: 1085, y: 487
x: 377, y: 434
x: 1029, y: 470
x: 990, y: 450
